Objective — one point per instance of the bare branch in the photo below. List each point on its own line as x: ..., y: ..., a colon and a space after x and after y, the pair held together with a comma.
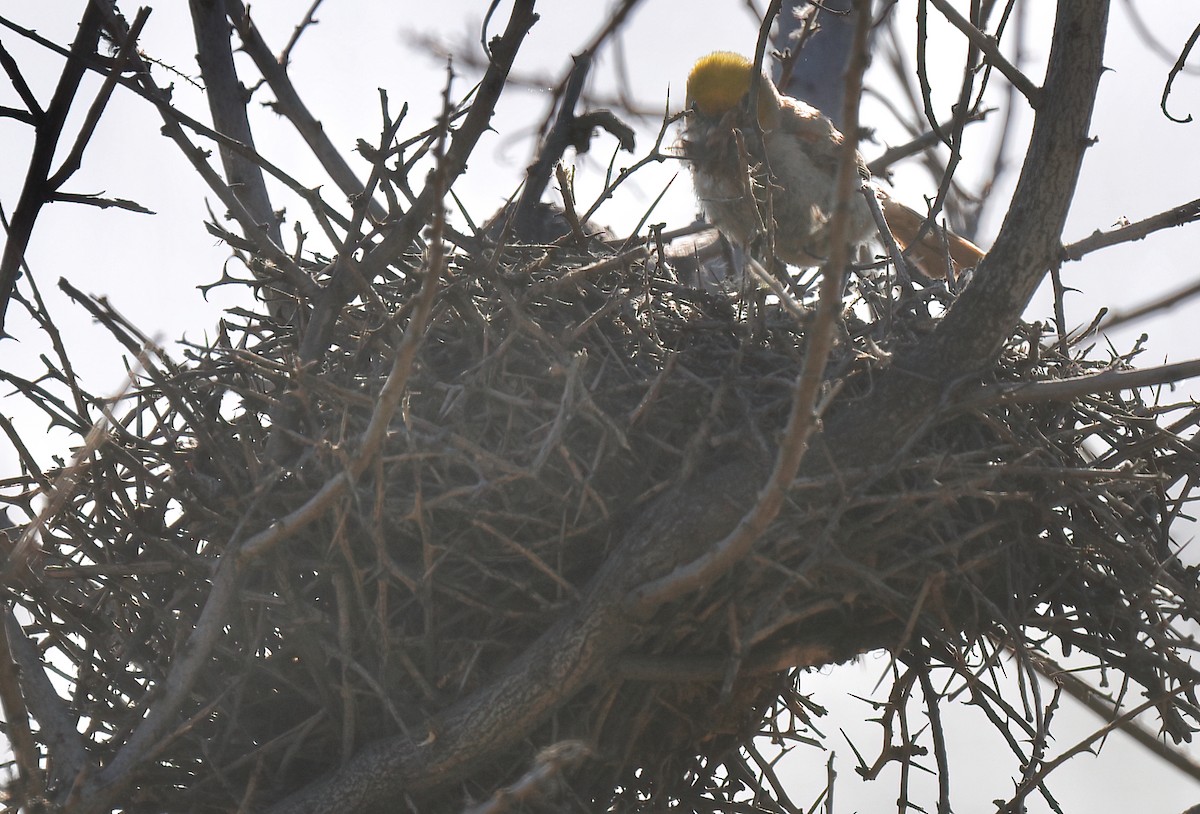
x: 289, y: 104
x: 48, y: 132
x: 397, y: 237
x: 1178, y: 216
x: 57, y: 726
x: 991, y: 50
x: 1177, y: 69
x: 17, y: 719
x: 227, y: 100
x: 125, y: 56
x: 925, y: 141
x: 1028, y: 784
x: 1113, y: 318
x: 1108, y: 710
x: 285, y: 58
x: 32, y: 108
x: 1067, y: 389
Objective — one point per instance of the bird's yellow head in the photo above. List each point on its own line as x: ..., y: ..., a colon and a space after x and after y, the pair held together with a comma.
x: 718, y: 82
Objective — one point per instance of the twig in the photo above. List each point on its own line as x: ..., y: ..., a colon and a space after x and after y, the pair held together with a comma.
x: 1114, y: 318
x: 655, y: 155
x: 46, y: 137
x: 1028, y: 784
x: 227, y: 107
x: 1178, y: 216
x: 289, y: 104
x: 1177, y: 69
x: 925, y: 141
x: 768, y: 280
x: 128, y: 50
x: 1106, y: 708
x: 99, y: 202
x: 398, y: 237
x: 42, y: 316
x: 937, y: 732
x: 285, y: 58
x: 768, y: 771
x: 991, y: 50
x: 567, y: 191
x: 32, y: 108
x: 923, y: 70
x: 1068, y: 389
x: 1060, y: 310
x: 555, y: 143
x: 889, y: 240
x: 962, y: 109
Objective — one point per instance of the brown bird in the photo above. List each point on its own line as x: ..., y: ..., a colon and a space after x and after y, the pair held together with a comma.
x: 801, y: 147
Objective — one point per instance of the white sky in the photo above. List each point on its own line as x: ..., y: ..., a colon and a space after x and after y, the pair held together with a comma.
x: 149, y: 267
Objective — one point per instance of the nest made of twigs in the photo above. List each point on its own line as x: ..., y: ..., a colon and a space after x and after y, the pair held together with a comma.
x: 557, y: 393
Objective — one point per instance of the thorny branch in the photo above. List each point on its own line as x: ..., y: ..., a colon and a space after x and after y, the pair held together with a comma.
x: 398, y: 236
x: 289, y: 103
x: 227, y: 106
x: 40, y: 183
x: 1177, y: 69
x: 1129, y: 232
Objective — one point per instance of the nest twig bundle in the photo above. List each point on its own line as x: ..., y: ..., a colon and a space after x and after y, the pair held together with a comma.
x: 437, y: 531
x: 556, y: 395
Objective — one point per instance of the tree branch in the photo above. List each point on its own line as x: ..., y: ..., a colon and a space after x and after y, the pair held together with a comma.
x: 227, y: 100
x: 291, y: 106
x: 398, y: 236
x: 36, y: 189
x: 57, y: 726
x: 991, y: 49
x: 1068, y: 389
x: 1028, y: 244
x: 1178, y: 216
x: 25, y: 753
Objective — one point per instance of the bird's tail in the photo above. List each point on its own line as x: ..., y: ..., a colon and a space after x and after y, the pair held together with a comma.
x: 929, y: 255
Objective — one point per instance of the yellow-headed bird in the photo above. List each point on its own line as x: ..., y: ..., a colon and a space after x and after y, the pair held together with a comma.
x: 801, y: 153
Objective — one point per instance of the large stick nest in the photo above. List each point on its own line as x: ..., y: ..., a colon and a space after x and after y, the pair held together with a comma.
x: 557, y: 394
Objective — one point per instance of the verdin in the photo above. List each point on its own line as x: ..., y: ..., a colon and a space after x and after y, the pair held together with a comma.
x: 801, y: 147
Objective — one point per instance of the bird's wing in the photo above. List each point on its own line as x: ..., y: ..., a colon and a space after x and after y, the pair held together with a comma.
x: 814, y: 128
